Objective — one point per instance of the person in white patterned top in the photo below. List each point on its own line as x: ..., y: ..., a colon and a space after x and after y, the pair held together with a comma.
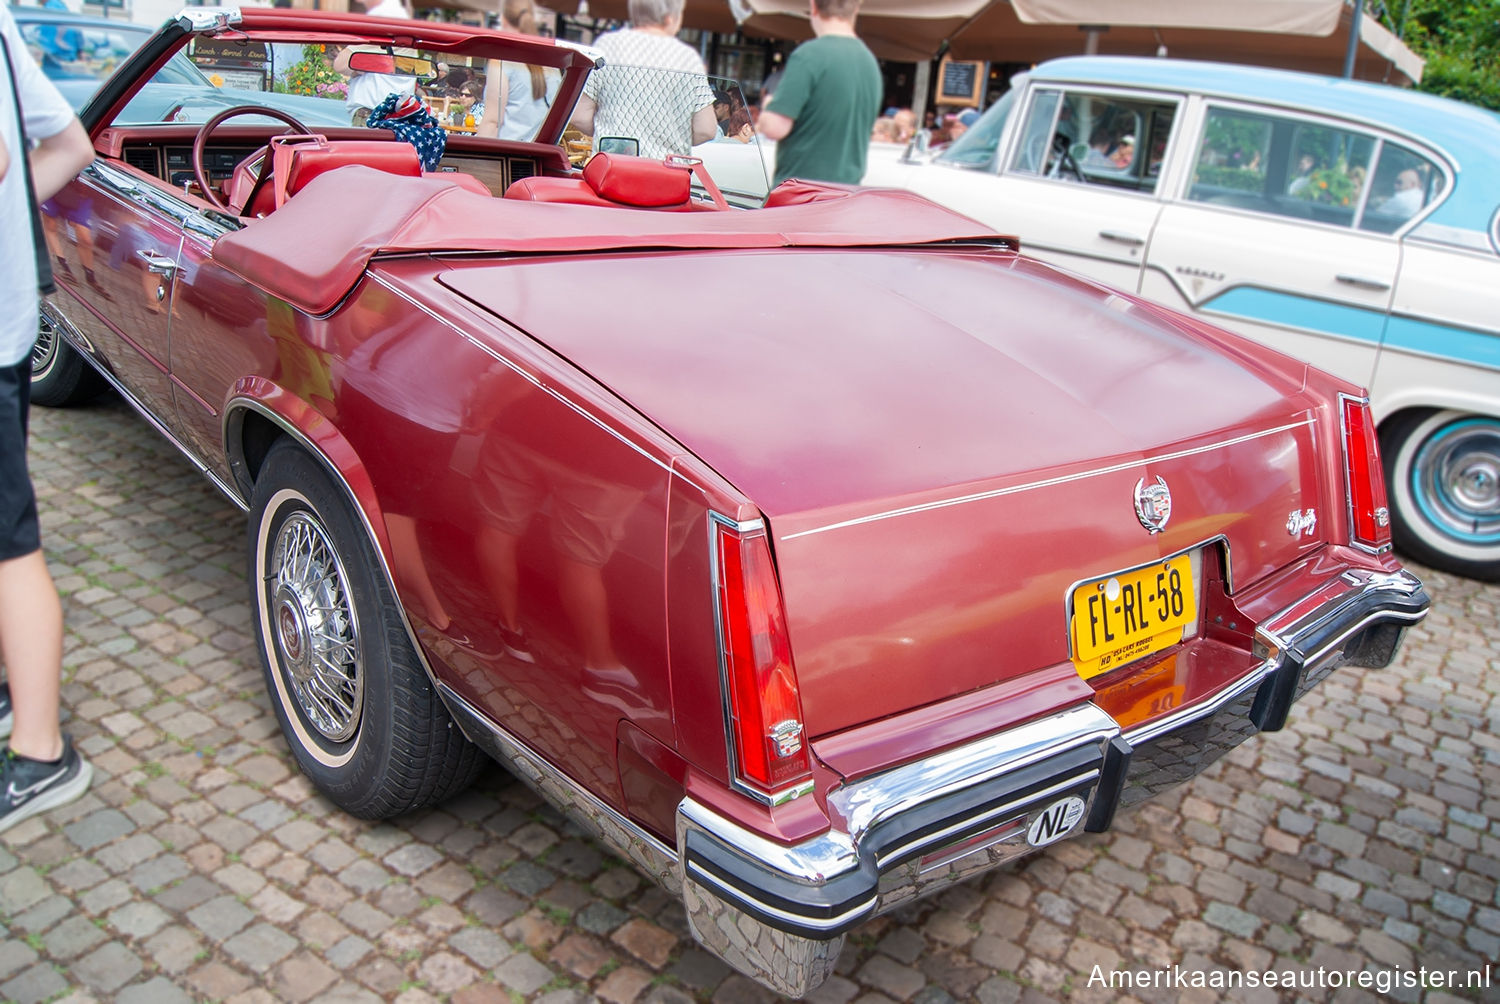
x: 652, y: 88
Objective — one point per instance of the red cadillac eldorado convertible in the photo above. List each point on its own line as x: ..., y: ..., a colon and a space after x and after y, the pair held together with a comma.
x: 813, y: 556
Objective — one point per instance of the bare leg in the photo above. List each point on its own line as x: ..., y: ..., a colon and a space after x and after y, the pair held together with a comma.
x: 587, y: 603
x: 412, y: 569
x: 31, y: 631
x: 497, y: 557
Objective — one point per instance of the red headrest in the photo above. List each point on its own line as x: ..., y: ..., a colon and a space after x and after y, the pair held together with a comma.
x: 300, y: 159
x: 638, y: 181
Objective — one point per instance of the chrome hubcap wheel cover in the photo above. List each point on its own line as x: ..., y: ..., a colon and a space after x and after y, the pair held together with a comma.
x: 1458, y: 480
x: 314, y: 627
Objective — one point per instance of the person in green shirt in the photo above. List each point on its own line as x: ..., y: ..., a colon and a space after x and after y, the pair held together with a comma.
x: 822, y: 111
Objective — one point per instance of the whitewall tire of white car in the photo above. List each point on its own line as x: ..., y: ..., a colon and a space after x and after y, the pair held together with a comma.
x: 1443, y: 478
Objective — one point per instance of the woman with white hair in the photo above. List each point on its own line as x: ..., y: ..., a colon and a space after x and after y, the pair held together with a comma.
x: 652, y: 92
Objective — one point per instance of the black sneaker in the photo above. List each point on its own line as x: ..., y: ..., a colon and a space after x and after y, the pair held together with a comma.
x: 515, y: 645
x: 30, y: 787
x: 7, y: 720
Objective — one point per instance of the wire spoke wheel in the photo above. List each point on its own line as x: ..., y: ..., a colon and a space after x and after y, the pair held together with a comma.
x: 44, y: 352
x: 350, y: 691
x: 315, y: 628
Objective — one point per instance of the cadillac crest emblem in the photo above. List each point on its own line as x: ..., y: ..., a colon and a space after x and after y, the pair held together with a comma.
x: 1153, y: 504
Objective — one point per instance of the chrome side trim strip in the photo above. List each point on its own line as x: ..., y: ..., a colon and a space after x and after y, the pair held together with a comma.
x: 1051, y: 482
x: 62, y: 324
x: 613, y: 829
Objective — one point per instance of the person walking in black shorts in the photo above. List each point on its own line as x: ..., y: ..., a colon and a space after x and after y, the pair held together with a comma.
x: 40, y: 769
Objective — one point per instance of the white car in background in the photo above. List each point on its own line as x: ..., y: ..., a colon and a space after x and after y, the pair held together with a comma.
x: 1353, y: 225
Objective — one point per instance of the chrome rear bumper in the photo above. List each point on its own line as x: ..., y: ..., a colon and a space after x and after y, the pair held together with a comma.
x: 779, y: 913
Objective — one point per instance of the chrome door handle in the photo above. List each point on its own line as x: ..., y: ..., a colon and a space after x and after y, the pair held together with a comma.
x: 1363, y: 283
x: 156, y: 264
x: 1123, y: 238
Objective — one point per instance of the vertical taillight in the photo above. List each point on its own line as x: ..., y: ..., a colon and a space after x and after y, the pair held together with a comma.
x: 765, y: 710
x: 1369, y: 516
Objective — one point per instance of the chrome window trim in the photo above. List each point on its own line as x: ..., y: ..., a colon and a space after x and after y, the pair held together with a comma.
x: 1450, y: 238
x: 1210, y: 96
x: 1378, y: 131
x: 194, y: 19
x: 162, y: 201
x: 80, y: 345
x: 1011, y: 146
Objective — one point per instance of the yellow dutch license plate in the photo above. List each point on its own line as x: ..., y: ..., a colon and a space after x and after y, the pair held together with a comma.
x: 1121, y: 618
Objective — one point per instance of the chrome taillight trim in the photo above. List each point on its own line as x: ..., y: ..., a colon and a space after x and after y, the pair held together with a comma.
x: 1354, y: 541
x: 717, y: 523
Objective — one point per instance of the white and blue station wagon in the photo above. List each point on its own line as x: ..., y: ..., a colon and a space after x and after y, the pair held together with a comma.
x: 1353, y: 225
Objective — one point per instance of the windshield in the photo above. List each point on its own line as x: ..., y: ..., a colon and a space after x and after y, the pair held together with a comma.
x: 655, y: 113
x: 977, y: 146
x: 333, y: 85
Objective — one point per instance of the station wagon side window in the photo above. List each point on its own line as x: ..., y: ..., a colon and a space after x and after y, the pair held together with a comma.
x: 1309, y: 170
x: 1110, y: 140
x: 1404, y: 183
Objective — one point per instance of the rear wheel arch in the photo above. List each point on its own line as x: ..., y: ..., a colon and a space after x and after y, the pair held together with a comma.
x: 255, y: 421
x: 356, y: 700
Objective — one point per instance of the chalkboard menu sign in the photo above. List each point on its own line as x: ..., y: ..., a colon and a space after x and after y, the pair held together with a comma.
x: 960, y: 82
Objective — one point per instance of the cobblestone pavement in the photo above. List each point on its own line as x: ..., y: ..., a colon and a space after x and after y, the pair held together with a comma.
x: 203, y: 867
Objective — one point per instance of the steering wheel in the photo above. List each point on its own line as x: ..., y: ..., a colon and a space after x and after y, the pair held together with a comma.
x: 200, y: 142
x: 1063, y: 159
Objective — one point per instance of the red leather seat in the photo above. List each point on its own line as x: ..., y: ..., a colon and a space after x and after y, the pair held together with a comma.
x: 297, y: 163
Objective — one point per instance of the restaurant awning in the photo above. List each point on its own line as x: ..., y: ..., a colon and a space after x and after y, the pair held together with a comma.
x: 1309, y: 35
